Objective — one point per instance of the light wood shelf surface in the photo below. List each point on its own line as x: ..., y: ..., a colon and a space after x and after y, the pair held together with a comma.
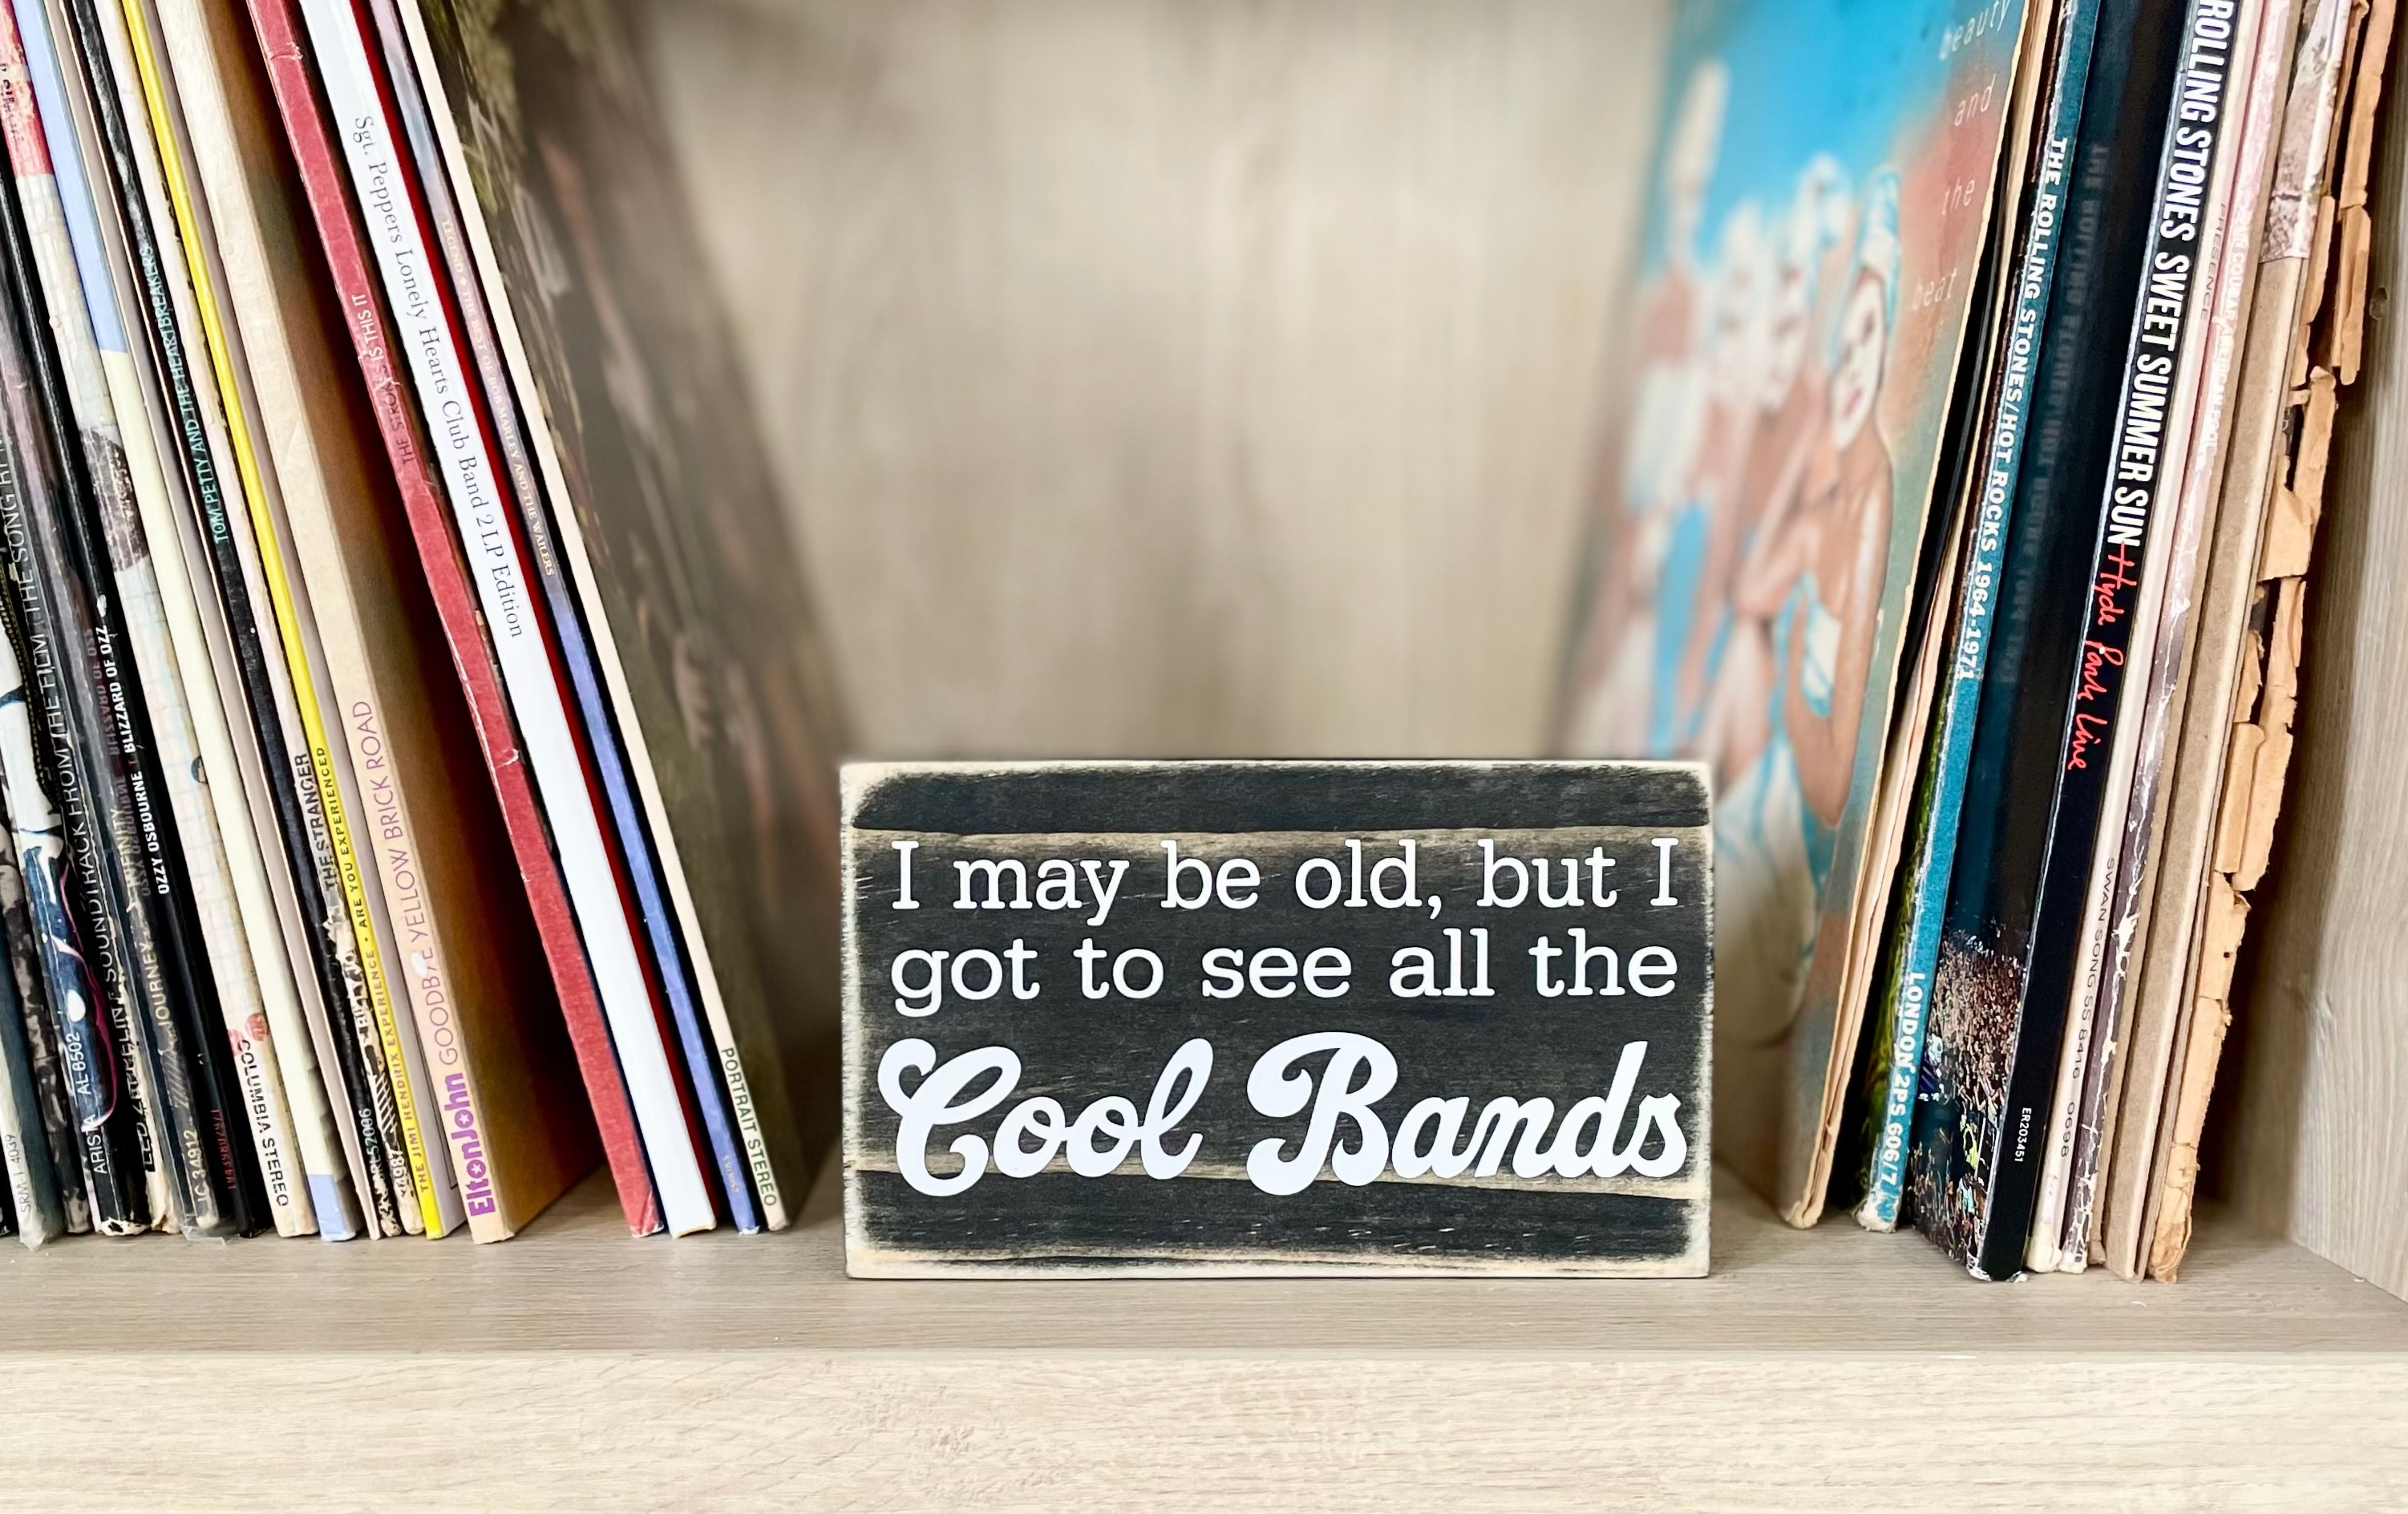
x: 577, y: 1367
x: 576, y: 1281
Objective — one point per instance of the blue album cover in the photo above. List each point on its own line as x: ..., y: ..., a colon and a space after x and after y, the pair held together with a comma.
x: 1895, y: 1051
x: 1817, y: 210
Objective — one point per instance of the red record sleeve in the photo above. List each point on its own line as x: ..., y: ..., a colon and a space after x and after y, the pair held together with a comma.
x: 356, y: 285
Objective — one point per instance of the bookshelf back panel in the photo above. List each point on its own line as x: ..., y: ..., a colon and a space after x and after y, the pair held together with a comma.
x: 1156, y: 379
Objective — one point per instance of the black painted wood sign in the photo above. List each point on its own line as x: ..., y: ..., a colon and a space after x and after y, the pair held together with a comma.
x: 1213, y: 1018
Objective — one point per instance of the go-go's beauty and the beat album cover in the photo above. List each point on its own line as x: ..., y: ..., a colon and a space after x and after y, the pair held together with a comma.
x: 1823, y: 178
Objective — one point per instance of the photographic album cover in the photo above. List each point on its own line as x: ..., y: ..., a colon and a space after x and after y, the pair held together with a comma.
x: 1815, y: 230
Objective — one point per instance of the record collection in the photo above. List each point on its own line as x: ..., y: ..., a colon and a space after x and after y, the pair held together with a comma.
x: 1983, y: 373
x: 416, y: 752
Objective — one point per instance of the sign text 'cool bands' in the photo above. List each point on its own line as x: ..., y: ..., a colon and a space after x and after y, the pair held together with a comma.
x: 1277, y: 1016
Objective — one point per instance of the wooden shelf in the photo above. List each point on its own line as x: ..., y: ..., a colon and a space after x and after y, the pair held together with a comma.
x: 578, y: 1368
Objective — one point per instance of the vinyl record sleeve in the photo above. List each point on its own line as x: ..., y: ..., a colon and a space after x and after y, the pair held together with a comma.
x: 229, y: 477
x: 2323, y: 364
x: 514, y: 1117
x: 1988, y: 931
x: 30, y: 1182
x: 2156, y: 428
x: 25, y: 972
x: 2015, y: 952
x: 172, y: 653
x: 99, y: 540
x: 710, y: 1059
x: 312, y: 422
x: 1840, y: 1153
x: 2251, y: 473
x: 456, y: 604
x: 2238, y: 216
x: 682, y: 558
x: 1818, y: 204
x: 1896, y: 1055
x: 230, y: 904
x: 285, y: 793
x: 221, y: 134
x: 104, y: 1164
x: 96, y: 1007
x: 182, y: 889
x: 521, y: 645
x: 190, y: 422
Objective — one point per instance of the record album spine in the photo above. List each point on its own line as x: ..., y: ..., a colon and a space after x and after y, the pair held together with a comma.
x: 713, y: 1069
x: 170, y: 654
x: 306, y: 784
x: 488, y: 530
x: 2251, y: 477
x: 211, y: 1163
x: 68, y: 868
x: 273, y: 299
x: 447, y: 925
x: 323, y: 177
x: 1975, y: 1002
x: 33, y: 998
x: 190, y: 433
x: 2324, y: 361
x: 2209, y: 98
x: 104, y: 1167
x: 2232, y: 247
x: 33, y: 1184
x: 1960, y: 698
x: 2161, y: 330
x: 730, y: 997
x: 166, y: 887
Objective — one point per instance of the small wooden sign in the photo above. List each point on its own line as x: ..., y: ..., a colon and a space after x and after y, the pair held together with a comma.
x: 1213, y: 1018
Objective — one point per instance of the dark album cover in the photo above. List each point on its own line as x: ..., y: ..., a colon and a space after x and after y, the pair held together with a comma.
x: 691, y: 580
x: 1990, y: 1032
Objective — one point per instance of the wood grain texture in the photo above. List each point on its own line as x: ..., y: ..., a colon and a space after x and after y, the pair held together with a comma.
x: 2317, y: 1142
x: 1044, y: 1431
x: 574, y: 1368
x: 1161, y: 377
x: 575, y: 1282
